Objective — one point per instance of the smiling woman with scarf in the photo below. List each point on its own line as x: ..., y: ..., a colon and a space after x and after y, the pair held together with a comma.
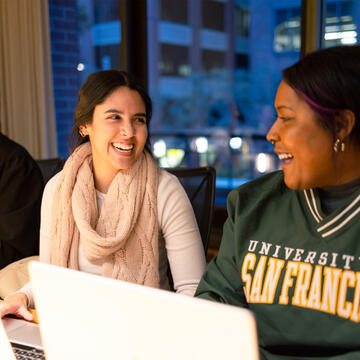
x: 111, y: 210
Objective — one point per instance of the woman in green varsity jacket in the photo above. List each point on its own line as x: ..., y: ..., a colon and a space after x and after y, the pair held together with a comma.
x: 291, y: 244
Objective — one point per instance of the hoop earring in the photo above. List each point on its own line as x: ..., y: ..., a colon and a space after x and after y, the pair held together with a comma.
x: 81, y: 133
x: 339, y: 146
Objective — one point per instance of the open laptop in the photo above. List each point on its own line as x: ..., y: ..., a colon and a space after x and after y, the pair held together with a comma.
x: 25, y: 340
x: 84, y: 316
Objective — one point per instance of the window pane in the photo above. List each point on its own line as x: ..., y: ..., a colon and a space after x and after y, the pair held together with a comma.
x: 217, y: 111
x: 174, y: 10
x: 85, y: 37
x: 104, y: 11
x: 242, y: 61
x: 213, y: 14
x: 287, y: 30
x: 241, y: 21
x: 212, y: 60
x: 213, y: 65
x: 174, y: 60
x: 341, y: 22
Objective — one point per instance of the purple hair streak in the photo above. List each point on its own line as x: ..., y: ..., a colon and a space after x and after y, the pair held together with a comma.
x: 324, y: 113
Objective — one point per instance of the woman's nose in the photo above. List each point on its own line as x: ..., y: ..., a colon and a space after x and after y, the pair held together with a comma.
x: 272, y: 135
x: 127, y: 129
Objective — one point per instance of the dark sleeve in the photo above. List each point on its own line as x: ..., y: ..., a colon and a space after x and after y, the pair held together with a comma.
x: 21, y: 187
x: 222, y: 278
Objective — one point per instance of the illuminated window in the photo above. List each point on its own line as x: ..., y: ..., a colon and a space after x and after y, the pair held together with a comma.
x: 340, y: 28
x: 287, y: 31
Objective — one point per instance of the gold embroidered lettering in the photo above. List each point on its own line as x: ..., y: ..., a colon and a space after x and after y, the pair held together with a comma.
x: 330, y: 288
x: 345, y: 307
x: 291, y: 270
x: 271, y: 280
x: 257, y: 280
x: 314, y: 297
x: 248, y: 264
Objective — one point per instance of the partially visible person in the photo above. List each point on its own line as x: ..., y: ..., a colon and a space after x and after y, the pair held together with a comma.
x: 112, y: 211
x: 21, y: 187
x: 290, y: 250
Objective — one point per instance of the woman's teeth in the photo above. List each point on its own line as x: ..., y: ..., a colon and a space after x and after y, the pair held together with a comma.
x: 123, y: 147
x: 285, y: 156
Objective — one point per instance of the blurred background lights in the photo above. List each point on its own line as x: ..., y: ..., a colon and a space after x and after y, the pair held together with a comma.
x: 174, y: 157
x: 235, y: 143
x: 346, y: 37
x: 80, y: 67
x: 245, y: 147
x: 201, y: 144
x: 159, y: 148
x: 263, y: 162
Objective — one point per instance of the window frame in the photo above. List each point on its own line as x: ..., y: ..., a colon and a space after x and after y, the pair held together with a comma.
x: 134, y: 33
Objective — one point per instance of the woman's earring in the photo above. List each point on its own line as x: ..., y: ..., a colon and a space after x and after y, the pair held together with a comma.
x: 81, y: 133
x: 339, y: 146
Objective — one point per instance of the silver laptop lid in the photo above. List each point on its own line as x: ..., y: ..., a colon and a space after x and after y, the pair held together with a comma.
x: 6, y: 351
x: 22, y: 332
x: 91, y: 317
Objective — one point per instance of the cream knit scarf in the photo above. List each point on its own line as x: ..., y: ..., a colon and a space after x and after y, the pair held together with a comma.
x: 125, y: 236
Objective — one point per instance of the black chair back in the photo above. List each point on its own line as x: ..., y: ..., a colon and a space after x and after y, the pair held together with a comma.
x: 199, y: 184
x: 50, y: 167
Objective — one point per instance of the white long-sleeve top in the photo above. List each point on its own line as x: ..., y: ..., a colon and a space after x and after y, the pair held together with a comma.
x: 179, y: 238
